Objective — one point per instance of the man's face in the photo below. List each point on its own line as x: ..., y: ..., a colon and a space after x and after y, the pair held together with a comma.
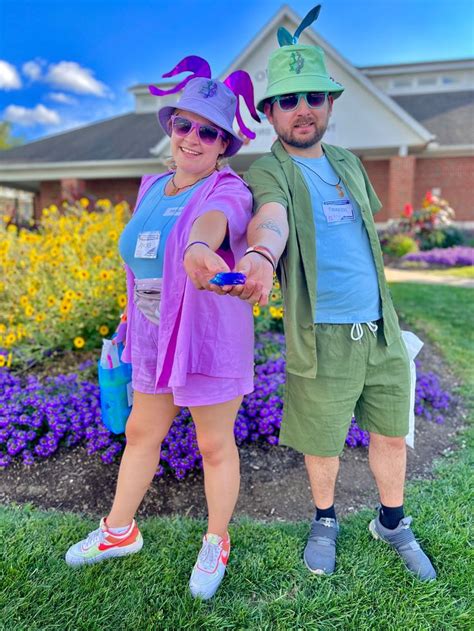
x: 303, y: 127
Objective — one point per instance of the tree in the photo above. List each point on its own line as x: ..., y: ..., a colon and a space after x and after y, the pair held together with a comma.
x: 7, y: 141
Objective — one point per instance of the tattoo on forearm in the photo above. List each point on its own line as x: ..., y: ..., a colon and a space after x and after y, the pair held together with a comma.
x: 269, y: 224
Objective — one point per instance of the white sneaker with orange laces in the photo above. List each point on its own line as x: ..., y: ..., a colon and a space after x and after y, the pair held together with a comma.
x: 210, y: 566
x: 101, y: 544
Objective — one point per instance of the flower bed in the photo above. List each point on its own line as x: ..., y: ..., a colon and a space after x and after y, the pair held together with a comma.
x: 456, y: 256
x: 62, y: 285
x: 37, y: 417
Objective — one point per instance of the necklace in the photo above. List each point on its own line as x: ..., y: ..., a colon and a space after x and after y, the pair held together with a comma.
x: 337, y: 185
x: 180, y: 188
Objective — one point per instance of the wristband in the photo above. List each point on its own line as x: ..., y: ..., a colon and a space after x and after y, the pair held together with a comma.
x: 194, y: 243
x: 269, y: 252
x: 263, y: 253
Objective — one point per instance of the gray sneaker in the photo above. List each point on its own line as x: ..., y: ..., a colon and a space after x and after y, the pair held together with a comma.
x: 405, y: 543
x: 320, y: 552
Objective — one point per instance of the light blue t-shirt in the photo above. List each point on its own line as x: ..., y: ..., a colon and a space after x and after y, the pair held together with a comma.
x: 347, y: 289
x: 153, y: 220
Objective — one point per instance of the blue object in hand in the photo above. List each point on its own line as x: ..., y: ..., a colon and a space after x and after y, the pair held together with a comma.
x: 228, y: 278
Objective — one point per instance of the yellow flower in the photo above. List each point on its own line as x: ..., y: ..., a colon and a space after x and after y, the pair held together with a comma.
x: 10, y: 339
x: 276, y: 284
x: 84, y: 202
x: 122, y: 300
x: 3, y: 328
x: 113, y: 234
x: 104, y: 275
x: 70, y: 294
x: 32, y: 291
x: 24, y: 301
x: 29, y: 311
x: 40, y: 317
x: 256, y: 311
x: 79, y: 342
x: 84, y: 274
x: 103, y: 329
x: 51, y: 301
x: 45, y: 212
x: 273, y: 311
x: 65, y: 307
x: 280, y: 312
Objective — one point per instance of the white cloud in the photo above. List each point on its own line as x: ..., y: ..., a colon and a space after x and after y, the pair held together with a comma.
x: 60, y: 97
x: 32, y: 69
x: 29, y: 117
x: 69, y: 75
x: 9, y: 77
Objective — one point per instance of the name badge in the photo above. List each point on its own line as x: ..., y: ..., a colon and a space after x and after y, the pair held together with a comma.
x: 339, y: 211
x: 173, y: 212
x: 147, y: 245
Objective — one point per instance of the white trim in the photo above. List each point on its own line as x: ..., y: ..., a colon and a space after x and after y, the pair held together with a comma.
x: 453, y: 151
x: 428, y: 66
x: 87, y: 170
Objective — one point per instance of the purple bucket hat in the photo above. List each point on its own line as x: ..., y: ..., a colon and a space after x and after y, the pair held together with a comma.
x: 212, y: 100
x: 215, y: 100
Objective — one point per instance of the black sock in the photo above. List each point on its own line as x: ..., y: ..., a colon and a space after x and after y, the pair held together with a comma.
x: 390, y: 516
x: 325, y: 512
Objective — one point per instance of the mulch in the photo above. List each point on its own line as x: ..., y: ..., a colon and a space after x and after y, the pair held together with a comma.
x: 274, y: 484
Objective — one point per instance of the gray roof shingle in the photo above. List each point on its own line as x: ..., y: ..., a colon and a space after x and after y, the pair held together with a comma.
x: 449, y: 115
x: 126, y: 137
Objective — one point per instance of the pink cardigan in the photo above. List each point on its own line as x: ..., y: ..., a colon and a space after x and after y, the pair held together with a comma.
x: 199, y: 331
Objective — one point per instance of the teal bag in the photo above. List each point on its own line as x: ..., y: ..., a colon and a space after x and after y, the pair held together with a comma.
x: 115, y: 384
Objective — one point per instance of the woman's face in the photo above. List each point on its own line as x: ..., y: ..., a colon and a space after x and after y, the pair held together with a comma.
x: 190, y: 154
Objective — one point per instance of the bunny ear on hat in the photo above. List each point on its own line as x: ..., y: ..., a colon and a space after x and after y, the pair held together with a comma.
x: 308, y: 19
x: 197, y: 65
x: 285, y: 38
x: 241, y: 85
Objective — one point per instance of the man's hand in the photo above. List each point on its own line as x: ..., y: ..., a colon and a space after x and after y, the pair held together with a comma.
x: 259, y: 273
x: 201, y: 264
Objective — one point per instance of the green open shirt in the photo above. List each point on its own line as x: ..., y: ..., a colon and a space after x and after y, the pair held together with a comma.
x: 276, y: 178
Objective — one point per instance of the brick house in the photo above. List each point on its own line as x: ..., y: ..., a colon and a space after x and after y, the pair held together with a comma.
x: 411, y: 124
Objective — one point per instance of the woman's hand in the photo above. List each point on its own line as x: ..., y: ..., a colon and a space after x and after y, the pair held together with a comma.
x: 121, y: 330
x: 201, y: 264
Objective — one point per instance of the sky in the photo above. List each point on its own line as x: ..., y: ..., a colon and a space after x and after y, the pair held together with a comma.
x: 67, y: 63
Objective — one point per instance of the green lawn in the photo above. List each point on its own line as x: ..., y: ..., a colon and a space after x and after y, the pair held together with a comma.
x: 267, y: 586
x: 463, y: 272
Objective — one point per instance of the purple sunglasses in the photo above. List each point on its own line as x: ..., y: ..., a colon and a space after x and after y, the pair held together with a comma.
x: 182, y: 126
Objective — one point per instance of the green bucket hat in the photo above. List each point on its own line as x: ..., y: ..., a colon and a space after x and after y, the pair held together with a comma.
x: 297, y: 68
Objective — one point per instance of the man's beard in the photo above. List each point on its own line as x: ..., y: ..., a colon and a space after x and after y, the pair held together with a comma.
x: 288, y: 136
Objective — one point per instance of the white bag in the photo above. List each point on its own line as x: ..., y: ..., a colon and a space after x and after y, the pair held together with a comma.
x: 413, y: 345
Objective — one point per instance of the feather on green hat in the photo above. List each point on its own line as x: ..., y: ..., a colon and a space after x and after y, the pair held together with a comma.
x: 297, y: 68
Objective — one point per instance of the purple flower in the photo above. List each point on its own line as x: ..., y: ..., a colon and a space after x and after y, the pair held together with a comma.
x: 446, y: 257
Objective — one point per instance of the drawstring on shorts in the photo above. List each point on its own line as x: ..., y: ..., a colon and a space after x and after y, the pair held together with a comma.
x: 357, y: 331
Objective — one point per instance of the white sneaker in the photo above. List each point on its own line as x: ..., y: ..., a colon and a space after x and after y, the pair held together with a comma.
x: 210, y: 566
x: 101, y: 544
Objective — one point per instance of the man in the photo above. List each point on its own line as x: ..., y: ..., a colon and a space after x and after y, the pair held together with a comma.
x: 314, y: 208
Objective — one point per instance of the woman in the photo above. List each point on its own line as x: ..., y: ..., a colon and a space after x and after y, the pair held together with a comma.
x: 187, y: 347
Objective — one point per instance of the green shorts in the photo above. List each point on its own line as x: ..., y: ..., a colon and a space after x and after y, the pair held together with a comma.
x: 364, y: 377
